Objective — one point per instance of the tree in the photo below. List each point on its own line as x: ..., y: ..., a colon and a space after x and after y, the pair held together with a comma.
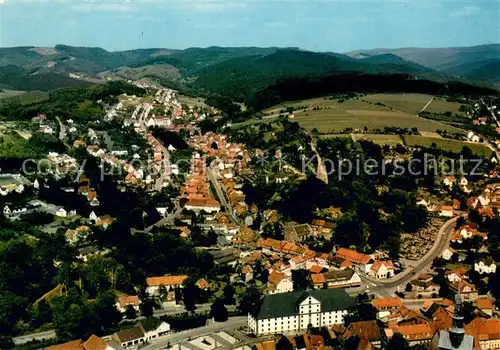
x: 397, y: 342
x: 40, y: 314
x: 147, y: 308
x: 190, y: 295
x: 105, y: 308
x: 251, y: 301
x: 284, y: 344
x: 130, y: 313
x: 301, y: 280
x: 229, y: 295
x: 6, y: 342
x: 408, y: 287
x: 218, y: 311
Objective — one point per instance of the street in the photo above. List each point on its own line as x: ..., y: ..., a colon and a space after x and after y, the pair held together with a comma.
x: 213, y: 179
x: 386, y: 287
x: 231, y: 324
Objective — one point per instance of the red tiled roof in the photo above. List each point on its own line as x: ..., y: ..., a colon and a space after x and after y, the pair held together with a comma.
x: 166, y: 280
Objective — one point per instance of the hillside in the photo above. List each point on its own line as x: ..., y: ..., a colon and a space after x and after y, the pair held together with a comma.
x: 244, y: 76
x: 17, y: 78
x: 453, y: 60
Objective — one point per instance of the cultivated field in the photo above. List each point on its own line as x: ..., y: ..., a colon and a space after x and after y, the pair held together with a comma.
x: 413, y: 103
x: 446, y: 144
x: 330, y: 116
x: 336, y: 119
x: 382, y: 140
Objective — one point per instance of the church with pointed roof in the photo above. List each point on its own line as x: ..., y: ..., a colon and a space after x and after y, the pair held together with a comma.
x: 454, y: 338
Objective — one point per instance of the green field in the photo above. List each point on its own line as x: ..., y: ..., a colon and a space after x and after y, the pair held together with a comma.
x: 379, y: 139
x: 413, y: 103
x: 330, y: 116
x: 9, y: 93
x: 446, y: 144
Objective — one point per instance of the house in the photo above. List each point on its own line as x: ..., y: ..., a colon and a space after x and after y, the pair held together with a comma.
x: 485, y: 265
x: 485, y: 304
x: 446, y: 211
x: 130, y: 338
x: 415, y: 334
x: 456, y: 275
x: 279, y: 283
x: 485, y: 333
x: 62, y: 213
x: 345, y: 278
x: 448, y: 253
x: 363, y: 260
x: 297, y: 263
x: 154, y: 328
x: 93, y: 343
x: 368, y: 332
x: 168, y: 282
x: 449, y: 181
x: 424, y: 286
x: 468, y: 291
x: 295, y: 311
x: 125, y: 301
x: 382, y: 269
x: 385, y: 306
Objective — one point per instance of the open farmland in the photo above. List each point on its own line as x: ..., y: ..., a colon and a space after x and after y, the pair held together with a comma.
x: 413, y: 103
x: 382, y: 140
x: 408, y: 103
x: 336, y: 119
x: 330, y: 116
x: 447, y: 145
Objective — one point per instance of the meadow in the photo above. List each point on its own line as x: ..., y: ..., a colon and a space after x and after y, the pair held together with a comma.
x: 447, y: 144
x: 334, y: 116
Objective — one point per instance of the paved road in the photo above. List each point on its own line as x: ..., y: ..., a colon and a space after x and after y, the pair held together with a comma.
x: 222, y: 199
x: 231, y: 324
x: 442, y: 241
x: 35, y: 336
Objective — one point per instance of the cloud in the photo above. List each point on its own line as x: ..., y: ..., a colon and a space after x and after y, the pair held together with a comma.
x: 467, y: 11
x: 208, y: 5
x: 91, y: 6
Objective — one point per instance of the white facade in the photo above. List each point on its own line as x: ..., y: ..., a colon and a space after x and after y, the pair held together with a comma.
x: 310, y: 311
x: 447, y: 254
x: 284, y: 286
x: 485, y: 267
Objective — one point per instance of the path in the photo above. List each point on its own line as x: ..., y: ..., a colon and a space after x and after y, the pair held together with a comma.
x: 222, y: 199
x: 428, y: 103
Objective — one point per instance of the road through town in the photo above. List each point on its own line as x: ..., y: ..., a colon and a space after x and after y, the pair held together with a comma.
x: 442, y: 241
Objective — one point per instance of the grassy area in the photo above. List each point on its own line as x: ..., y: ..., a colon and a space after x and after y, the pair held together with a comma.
x: 382, y: 140
x: 439, y: 105
x: 12, y: 145
x: 448, y: 145
x: 339, y: 118
x: 408, y: 103
x: 9, y: 93
x: 332, y: 116
x: 192, y: 101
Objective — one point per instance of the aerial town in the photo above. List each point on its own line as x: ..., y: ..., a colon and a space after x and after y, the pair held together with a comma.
x: 231, y: 243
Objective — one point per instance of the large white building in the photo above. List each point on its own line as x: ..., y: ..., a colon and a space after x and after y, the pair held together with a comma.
x: 295, y: 311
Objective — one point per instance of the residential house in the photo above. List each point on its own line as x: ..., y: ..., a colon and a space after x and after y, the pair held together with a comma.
x: 93, y: 343
x: 279, y: 283
x: 449, y: 181
x: 130, y: 338
x: 385, y: 306
x: 128, y: 300
x: 468, y: 291
x: 448, y: 253
x: 456, y: 275
x: 382, y: 269
x: 336, y: 279
x: 154, y: 328
x: 154, y: 284
x: 363, y: 260
x: 446, y: 211
x: 485, y: 332
x: 485, y: 266
x: 424, y: 286
x: 485, y: 304
x: 369, y: 333
x: 295, y: 311
x: 415, y: 334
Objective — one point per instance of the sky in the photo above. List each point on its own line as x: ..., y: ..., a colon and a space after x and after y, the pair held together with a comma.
x: 320, y: 25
